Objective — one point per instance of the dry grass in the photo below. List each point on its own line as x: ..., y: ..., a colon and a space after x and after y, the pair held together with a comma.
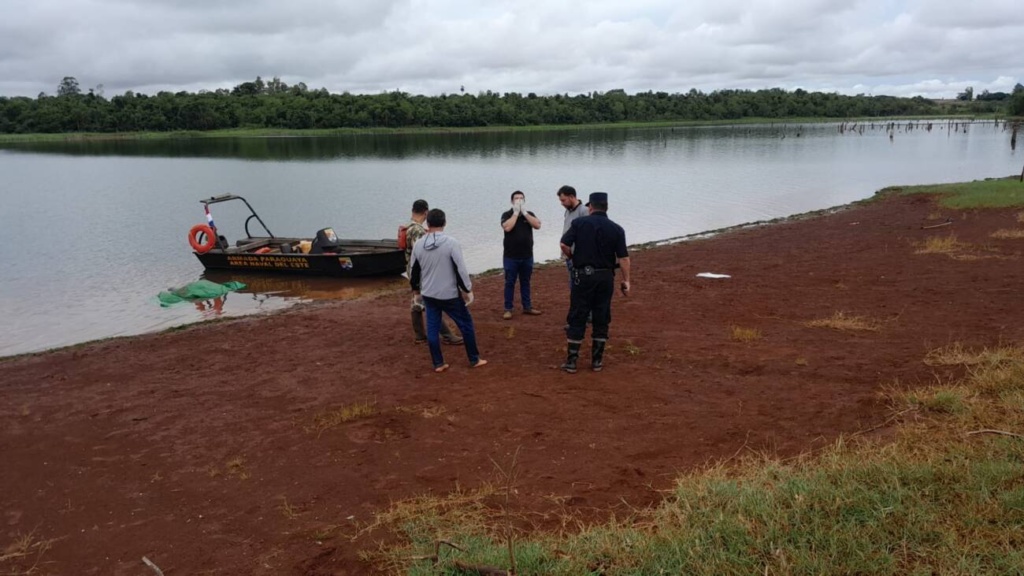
x: 955, y: 354
x: 948, y: 245
x: 338, y: 416
x: 324, y: 532
x: 740, y: 334
x: 425, y: 516
x: 288, y: 511
x: 989, y: 256
x: 236, y: 467
x: 966, y: 257
x: 1009, y: 234
x: 957, y: 250
x: 840, y: 321
x: 423, y: 410
x: 632, y: 349
x: 433, y: 411
x: 21, y: 557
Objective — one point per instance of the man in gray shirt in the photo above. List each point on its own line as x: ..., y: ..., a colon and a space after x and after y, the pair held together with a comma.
x: 438, y: 273
x: 574, y: 208
x: 414, y: 230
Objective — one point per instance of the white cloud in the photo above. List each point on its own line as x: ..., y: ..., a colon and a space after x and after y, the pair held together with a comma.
x: 934, y: 48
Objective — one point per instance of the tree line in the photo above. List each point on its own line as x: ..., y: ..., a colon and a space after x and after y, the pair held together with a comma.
x: 274, y: 104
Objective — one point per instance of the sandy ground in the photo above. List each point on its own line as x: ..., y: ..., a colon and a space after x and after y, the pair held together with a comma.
x: 199, y: 448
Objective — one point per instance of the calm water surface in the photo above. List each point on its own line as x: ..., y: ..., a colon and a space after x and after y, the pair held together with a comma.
x: 91, y: 232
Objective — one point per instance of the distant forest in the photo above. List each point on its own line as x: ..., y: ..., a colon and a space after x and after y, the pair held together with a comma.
x: 274, y: 104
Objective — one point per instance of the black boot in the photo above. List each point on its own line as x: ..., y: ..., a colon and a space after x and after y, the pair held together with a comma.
x: 597, y: 355
x: 447, y: 336
x: 572, y: 357
x: 417, y: 326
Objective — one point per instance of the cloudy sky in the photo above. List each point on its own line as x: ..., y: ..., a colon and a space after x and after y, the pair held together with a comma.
x: 934, y: 48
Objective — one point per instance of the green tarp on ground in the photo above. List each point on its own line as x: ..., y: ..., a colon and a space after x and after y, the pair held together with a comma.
x: 198, y: 290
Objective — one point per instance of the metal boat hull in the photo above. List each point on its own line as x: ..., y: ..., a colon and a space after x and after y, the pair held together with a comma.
x: 357, y: 259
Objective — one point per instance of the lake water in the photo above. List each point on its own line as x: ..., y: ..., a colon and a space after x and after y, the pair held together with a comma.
x: 92, y: 231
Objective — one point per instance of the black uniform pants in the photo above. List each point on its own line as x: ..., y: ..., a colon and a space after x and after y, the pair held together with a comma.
x: 591, y: 296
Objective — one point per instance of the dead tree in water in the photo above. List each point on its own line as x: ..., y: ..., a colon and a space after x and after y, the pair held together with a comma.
x: 1013, y: 144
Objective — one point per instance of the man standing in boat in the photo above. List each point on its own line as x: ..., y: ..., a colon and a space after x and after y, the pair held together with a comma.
x: 438, y: 274
x: 415, y: 230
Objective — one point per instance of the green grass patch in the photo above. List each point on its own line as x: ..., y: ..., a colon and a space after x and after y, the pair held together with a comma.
x: 943, y: 495
x: 944, y: 401
x: 988, y: 193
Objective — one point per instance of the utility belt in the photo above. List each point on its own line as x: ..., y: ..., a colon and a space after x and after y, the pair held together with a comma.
x: 580, y: 271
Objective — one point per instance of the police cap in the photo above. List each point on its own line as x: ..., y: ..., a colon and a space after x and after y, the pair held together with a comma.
x: 599, y: 197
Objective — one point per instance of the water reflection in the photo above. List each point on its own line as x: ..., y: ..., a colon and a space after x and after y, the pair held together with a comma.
x: 497, y: 144
x: 285, y: 148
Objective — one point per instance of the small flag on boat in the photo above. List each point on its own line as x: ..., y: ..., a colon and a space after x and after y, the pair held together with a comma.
x: 209, y: 217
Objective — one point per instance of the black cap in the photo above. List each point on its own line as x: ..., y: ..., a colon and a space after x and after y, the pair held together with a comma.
x: 601, y: 197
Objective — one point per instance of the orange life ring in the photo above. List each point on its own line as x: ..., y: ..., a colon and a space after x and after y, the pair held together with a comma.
x: 206, y: 245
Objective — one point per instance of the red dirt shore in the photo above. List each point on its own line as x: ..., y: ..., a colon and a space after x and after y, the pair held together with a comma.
x: 196, y: 449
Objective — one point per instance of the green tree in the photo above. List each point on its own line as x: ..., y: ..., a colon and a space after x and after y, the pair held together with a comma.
x: 246, y: 89
x: 260, y: 104
x: 1017, y: 103
x: 275, y: 86
x: 69, y: 87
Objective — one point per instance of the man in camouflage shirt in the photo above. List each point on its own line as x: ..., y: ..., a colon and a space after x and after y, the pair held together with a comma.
x: 416, y: 229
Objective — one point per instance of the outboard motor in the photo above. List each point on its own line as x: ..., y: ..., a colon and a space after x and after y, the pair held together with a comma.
x: 326, y: 241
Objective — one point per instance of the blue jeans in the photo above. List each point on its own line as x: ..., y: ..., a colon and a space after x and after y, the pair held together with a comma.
x: 457, y: 311
x: 521, y: 269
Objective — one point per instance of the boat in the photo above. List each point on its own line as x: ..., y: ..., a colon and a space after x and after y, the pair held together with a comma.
x: 322, y: 255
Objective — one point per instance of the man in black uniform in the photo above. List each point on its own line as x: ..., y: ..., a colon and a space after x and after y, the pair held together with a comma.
x: 596, y: 246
